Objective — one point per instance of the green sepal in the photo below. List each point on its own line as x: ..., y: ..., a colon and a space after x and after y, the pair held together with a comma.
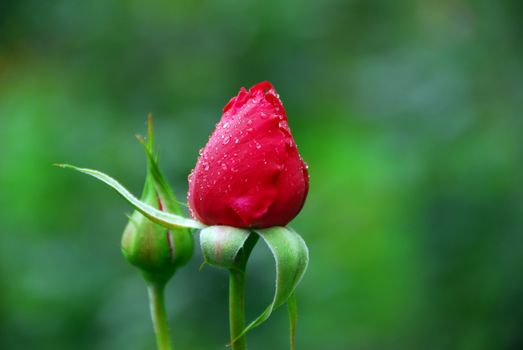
x: 292, y: 257
x: 222, y: 247
x: 165, y: 219
x: 222, y: 244
x: 160, y: 184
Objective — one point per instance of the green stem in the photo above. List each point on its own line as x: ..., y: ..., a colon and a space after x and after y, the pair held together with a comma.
x: 237, y: 308
x: 237, y: 295
x: 292, y: 306
x: 158, y: 315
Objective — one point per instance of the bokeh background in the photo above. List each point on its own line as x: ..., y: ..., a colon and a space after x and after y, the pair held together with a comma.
x: 409, y: 114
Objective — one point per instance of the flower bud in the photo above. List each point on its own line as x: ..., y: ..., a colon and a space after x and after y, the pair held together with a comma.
x: 154, y: 249
x: 250, y: 173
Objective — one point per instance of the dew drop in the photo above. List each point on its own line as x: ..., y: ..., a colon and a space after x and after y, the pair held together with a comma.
x: 225, y: 125
x: 205, y: 166
x: 226, y: 140
x: 236, y: 140
x: 224, y: 166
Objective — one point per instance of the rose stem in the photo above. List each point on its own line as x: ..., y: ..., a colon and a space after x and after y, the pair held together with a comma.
x: 237, y: 308
x: 237, y: 295
x: 158, y: 315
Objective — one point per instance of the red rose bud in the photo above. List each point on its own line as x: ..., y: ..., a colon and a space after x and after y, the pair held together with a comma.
x: 154, y: 249
x: 250, y: 173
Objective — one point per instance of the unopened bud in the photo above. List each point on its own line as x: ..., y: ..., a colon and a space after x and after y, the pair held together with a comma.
x: 154, y: 249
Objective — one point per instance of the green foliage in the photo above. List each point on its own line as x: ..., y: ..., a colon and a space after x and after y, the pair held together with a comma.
x: 222, y: 247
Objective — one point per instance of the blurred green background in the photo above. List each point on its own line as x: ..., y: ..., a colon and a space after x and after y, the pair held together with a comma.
x: 409, y: 114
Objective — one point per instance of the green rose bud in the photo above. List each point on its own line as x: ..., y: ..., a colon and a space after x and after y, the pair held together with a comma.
x: 154, y: 249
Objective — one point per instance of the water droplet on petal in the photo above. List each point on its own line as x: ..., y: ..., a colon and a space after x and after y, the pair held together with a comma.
x: 226, y: 140
x: 225, y: 125
x: 224, y: 166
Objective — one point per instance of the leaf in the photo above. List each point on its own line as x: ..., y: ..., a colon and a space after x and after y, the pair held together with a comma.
x: 163, y: 218
x: 292, y: 257
x: 221, y: 245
